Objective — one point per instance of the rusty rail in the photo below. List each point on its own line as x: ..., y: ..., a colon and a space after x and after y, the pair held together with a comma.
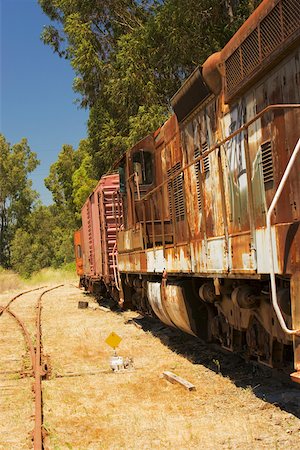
x: 25, y: 333
x: 4, y: 308
x: 38, y: 428
x: 36, y: 361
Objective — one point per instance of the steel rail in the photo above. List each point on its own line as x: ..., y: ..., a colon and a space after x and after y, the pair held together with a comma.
x: 35, y: 355
x: 25, y: 333
x: 38, y: 428
x: 4, y: 308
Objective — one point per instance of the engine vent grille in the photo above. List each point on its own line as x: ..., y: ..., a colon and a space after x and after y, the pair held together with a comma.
x: 270, y: 32
x: 250, y: 53
x: 178, y: 195
x: 291, y: 16
x: 267, y: 164
x: 206, y: 163
x: 265, y: 41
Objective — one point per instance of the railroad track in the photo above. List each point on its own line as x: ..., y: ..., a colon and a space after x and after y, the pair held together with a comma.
x: 38, y: 366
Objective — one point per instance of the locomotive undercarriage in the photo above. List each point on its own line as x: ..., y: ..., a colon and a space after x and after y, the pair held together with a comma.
x: 237, y: 314
x: 101, y: 290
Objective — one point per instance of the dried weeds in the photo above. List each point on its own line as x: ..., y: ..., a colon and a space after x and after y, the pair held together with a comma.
x: 87, y: 406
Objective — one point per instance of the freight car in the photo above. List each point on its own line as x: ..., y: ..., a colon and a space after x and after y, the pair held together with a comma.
x: 209, y: 238
x: 95, y: 243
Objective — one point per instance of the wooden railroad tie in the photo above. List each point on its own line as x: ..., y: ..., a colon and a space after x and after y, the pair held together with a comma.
x: 170, y: 376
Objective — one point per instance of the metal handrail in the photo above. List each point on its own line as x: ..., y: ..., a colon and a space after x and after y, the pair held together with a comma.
x: 272, y: 206
x: 215, y: 147
x: 220, y: 143
x: 116, y: 277
x: 269, y: 230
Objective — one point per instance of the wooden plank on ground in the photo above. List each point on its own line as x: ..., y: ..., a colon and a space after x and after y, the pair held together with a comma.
x: 170, y: 376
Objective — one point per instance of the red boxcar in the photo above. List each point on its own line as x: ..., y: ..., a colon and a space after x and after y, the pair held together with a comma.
x: 101, y: 217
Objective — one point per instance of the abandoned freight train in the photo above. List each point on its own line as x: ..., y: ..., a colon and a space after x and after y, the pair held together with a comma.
x: 200, y: 226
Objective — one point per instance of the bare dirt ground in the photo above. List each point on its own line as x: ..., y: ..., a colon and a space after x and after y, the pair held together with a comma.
x: 87, y: 406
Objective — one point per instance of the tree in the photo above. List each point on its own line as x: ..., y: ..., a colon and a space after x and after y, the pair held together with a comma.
x: 83, y: 184
x: 69, y: 176
x: 16, y: 194
x: 32, y: 245
x: 45, y: 240
x: 130, y: 57
x: 59, y: 180
x: 87, y: 33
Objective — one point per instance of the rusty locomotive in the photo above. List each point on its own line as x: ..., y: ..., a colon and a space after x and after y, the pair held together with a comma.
x: 201, y: 225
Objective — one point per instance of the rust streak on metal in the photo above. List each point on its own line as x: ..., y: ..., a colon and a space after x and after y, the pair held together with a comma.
x: 223, y: 141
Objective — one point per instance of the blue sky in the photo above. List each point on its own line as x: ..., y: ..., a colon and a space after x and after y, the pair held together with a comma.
x: 37, y: 100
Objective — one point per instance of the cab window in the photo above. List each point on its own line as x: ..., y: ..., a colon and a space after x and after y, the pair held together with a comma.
x: 122, y: 179
x: 143, y: 166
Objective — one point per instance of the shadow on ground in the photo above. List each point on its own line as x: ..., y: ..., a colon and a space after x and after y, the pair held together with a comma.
x: 270, y: 385
x: 267, y: 384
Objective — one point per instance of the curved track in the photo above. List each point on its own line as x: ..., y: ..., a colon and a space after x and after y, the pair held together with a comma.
x: 34, y: 347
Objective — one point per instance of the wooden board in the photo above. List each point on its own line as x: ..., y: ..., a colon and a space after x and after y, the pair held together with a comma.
x: 176, y: 379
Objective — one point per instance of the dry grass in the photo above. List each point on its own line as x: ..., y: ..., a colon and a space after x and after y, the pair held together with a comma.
x: 16, y: 404
x: 96, y: 409
x: 139, y: 409
x: 11, y: 281
x: 52, y: 276
x: 16, y: 412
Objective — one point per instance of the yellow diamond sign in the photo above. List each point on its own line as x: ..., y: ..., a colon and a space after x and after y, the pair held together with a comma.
x: 113, y: 340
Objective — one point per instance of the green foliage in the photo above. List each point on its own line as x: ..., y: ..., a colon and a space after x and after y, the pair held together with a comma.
x: 71, y: 179
x: 82, y: 183
x: 146, y: 120
x: 59, y: 181
x: 45, y: 240
x: 131, y: 56
x: 31, y: 247
x: 16, y: 194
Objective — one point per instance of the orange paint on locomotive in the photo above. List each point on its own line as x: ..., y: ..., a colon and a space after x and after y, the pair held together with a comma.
x: 194, y: 243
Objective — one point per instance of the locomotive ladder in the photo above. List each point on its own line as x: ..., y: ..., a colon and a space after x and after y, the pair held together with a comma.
x: 113, y: 214
x: 90, y: 239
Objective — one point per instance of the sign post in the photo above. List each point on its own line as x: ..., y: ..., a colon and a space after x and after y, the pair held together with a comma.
x: 116, y: 362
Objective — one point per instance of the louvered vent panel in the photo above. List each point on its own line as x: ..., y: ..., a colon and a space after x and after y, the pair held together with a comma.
x: 233, y: 70
x: 270, y: 30
x: 267, y: 164
x: 177, y: 192
x: 206, y: 164
x: 197, y: 173
x: 249, y: 58
x: 291, y: 16
x: 250, y: 53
